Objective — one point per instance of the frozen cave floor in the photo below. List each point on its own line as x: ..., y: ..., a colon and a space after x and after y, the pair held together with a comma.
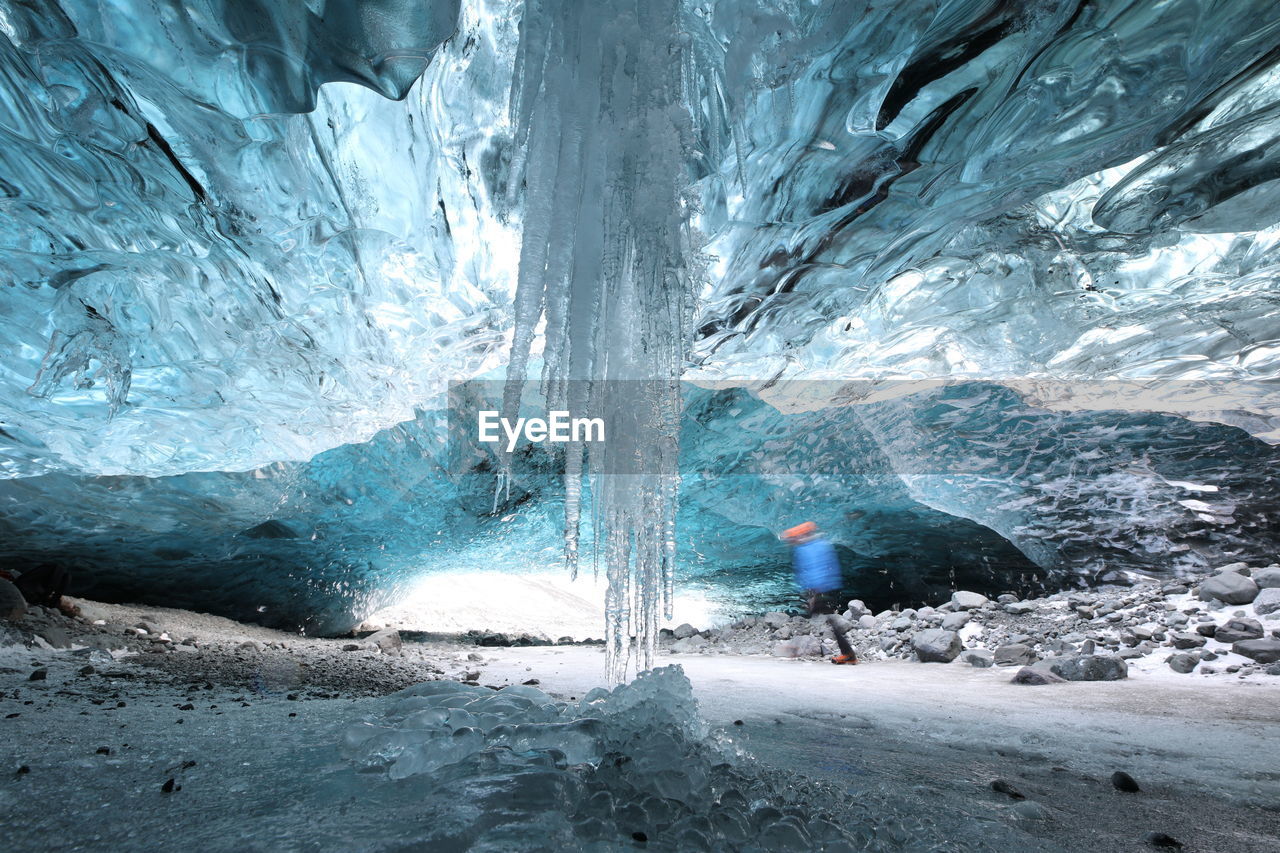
x: 229, y: 741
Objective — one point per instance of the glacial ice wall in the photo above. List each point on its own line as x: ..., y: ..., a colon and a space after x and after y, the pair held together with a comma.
x: 245, y: 246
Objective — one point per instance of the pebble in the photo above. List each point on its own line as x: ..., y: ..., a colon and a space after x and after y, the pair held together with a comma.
x: 1122, y: 781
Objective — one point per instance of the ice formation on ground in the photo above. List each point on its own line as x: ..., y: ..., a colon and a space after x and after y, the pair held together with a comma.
x: 634, y: 764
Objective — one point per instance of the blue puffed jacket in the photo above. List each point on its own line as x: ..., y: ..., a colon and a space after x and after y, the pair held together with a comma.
x: 816, y: 565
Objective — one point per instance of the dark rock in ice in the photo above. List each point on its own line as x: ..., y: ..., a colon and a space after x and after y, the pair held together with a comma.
x: 1019, y: 608
x: 270, y: 529
x: 1235, y: 630
x: 1160, y: 839
x: 38, y: 675
x: 684, y: 631
x: 1002, y: 787
x: 1229, y: 588
x: 1124, y: 782
x: 936, y: 645
x: 1183, y: 662
x: 170, y: 785
x: 1207, y: 629
x: 1262, y: 650
x: 1187, y: 641
x: 12, y: 605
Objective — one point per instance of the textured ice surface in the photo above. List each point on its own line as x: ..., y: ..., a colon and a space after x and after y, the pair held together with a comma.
x: 635, y: 764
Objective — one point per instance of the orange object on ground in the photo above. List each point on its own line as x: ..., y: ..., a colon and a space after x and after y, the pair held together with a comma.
x: 844, y: 659
x: 803, y: 529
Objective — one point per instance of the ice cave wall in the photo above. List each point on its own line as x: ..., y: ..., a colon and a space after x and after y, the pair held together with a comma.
x: 233, y: 295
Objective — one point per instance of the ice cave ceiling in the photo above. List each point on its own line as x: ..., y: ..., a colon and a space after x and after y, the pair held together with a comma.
x: 246, y: 245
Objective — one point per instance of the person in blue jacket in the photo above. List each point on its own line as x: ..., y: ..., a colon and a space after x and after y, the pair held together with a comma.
x: 817, y: 570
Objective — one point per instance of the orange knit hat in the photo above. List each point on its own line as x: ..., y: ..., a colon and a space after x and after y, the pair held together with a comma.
x: 802, y: 529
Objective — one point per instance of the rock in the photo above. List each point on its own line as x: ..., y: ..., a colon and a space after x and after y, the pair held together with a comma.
x: 866, y: 621
x: 1274, y: 669
x: 1262, y: 650
x: 968, y: 600
x: 1234, y: 630
x: 776, y: 619
x: 1019, y: 608
x: 1006, y: 598
x: 800, y: 647
x: 977, y: 658
x: 1268, y: 601
x: 1207, y: 629
x: 1088, y: 668
x: 856, y: 609
x: 1160, y: 839
x: 936, y: 645
x: 684, y: 631
x: 1183, y: 662
x: 1268, y: 578
x: 1014, y: 654
x: 691, y: 643
x: 1002, y: 787
x: 955, y: 621
x: 12, y: 605
x: 1122, y: 781
x: 1088, y: 647
x: 387, y: 641
x: 1031, y: 810
x: 38, y: 675
x: 902, y: 623
x: 1187, y: 641
x: 1030, y: 675
x: 352, y: 647
x: 54, y: 636
x: 1229, y: 588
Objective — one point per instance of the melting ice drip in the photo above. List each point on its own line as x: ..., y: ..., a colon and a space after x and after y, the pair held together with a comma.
x: 602, y: 133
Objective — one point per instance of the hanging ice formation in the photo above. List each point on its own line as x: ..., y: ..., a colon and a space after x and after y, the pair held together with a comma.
x: 602, y: 139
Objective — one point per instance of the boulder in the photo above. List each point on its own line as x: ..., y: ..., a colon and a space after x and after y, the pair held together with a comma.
x: 1268, y: 601
x: 684, y: 631
x: 977, y: 658
x: 1229, y: 588
x: 1261, y: 650
x: 1268, y: 578
x: 936, y: 645
x: 1234, y: 630
x: 776, y: 619
x: 1187, y: 641
x: 968, y: 600
x: 1088, y: 668
x: 386, y: 641
x: 800, y: 647
x: 856, y: 609
x: 1019, y: 608
x: 1014, y: 654
x: 692, y: 643
x: 955, y: 621
x: 1183, y: 662
x: 1031, y: 675
x: 12, y: 605
x: 866, y: 621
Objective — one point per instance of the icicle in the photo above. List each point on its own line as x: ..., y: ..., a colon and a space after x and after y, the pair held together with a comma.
x: 600, y: 107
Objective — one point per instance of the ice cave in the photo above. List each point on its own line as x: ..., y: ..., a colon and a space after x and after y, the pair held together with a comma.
x: 675, y: 425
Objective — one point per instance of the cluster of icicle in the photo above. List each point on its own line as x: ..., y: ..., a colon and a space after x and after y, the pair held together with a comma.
x: 603, y: 133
